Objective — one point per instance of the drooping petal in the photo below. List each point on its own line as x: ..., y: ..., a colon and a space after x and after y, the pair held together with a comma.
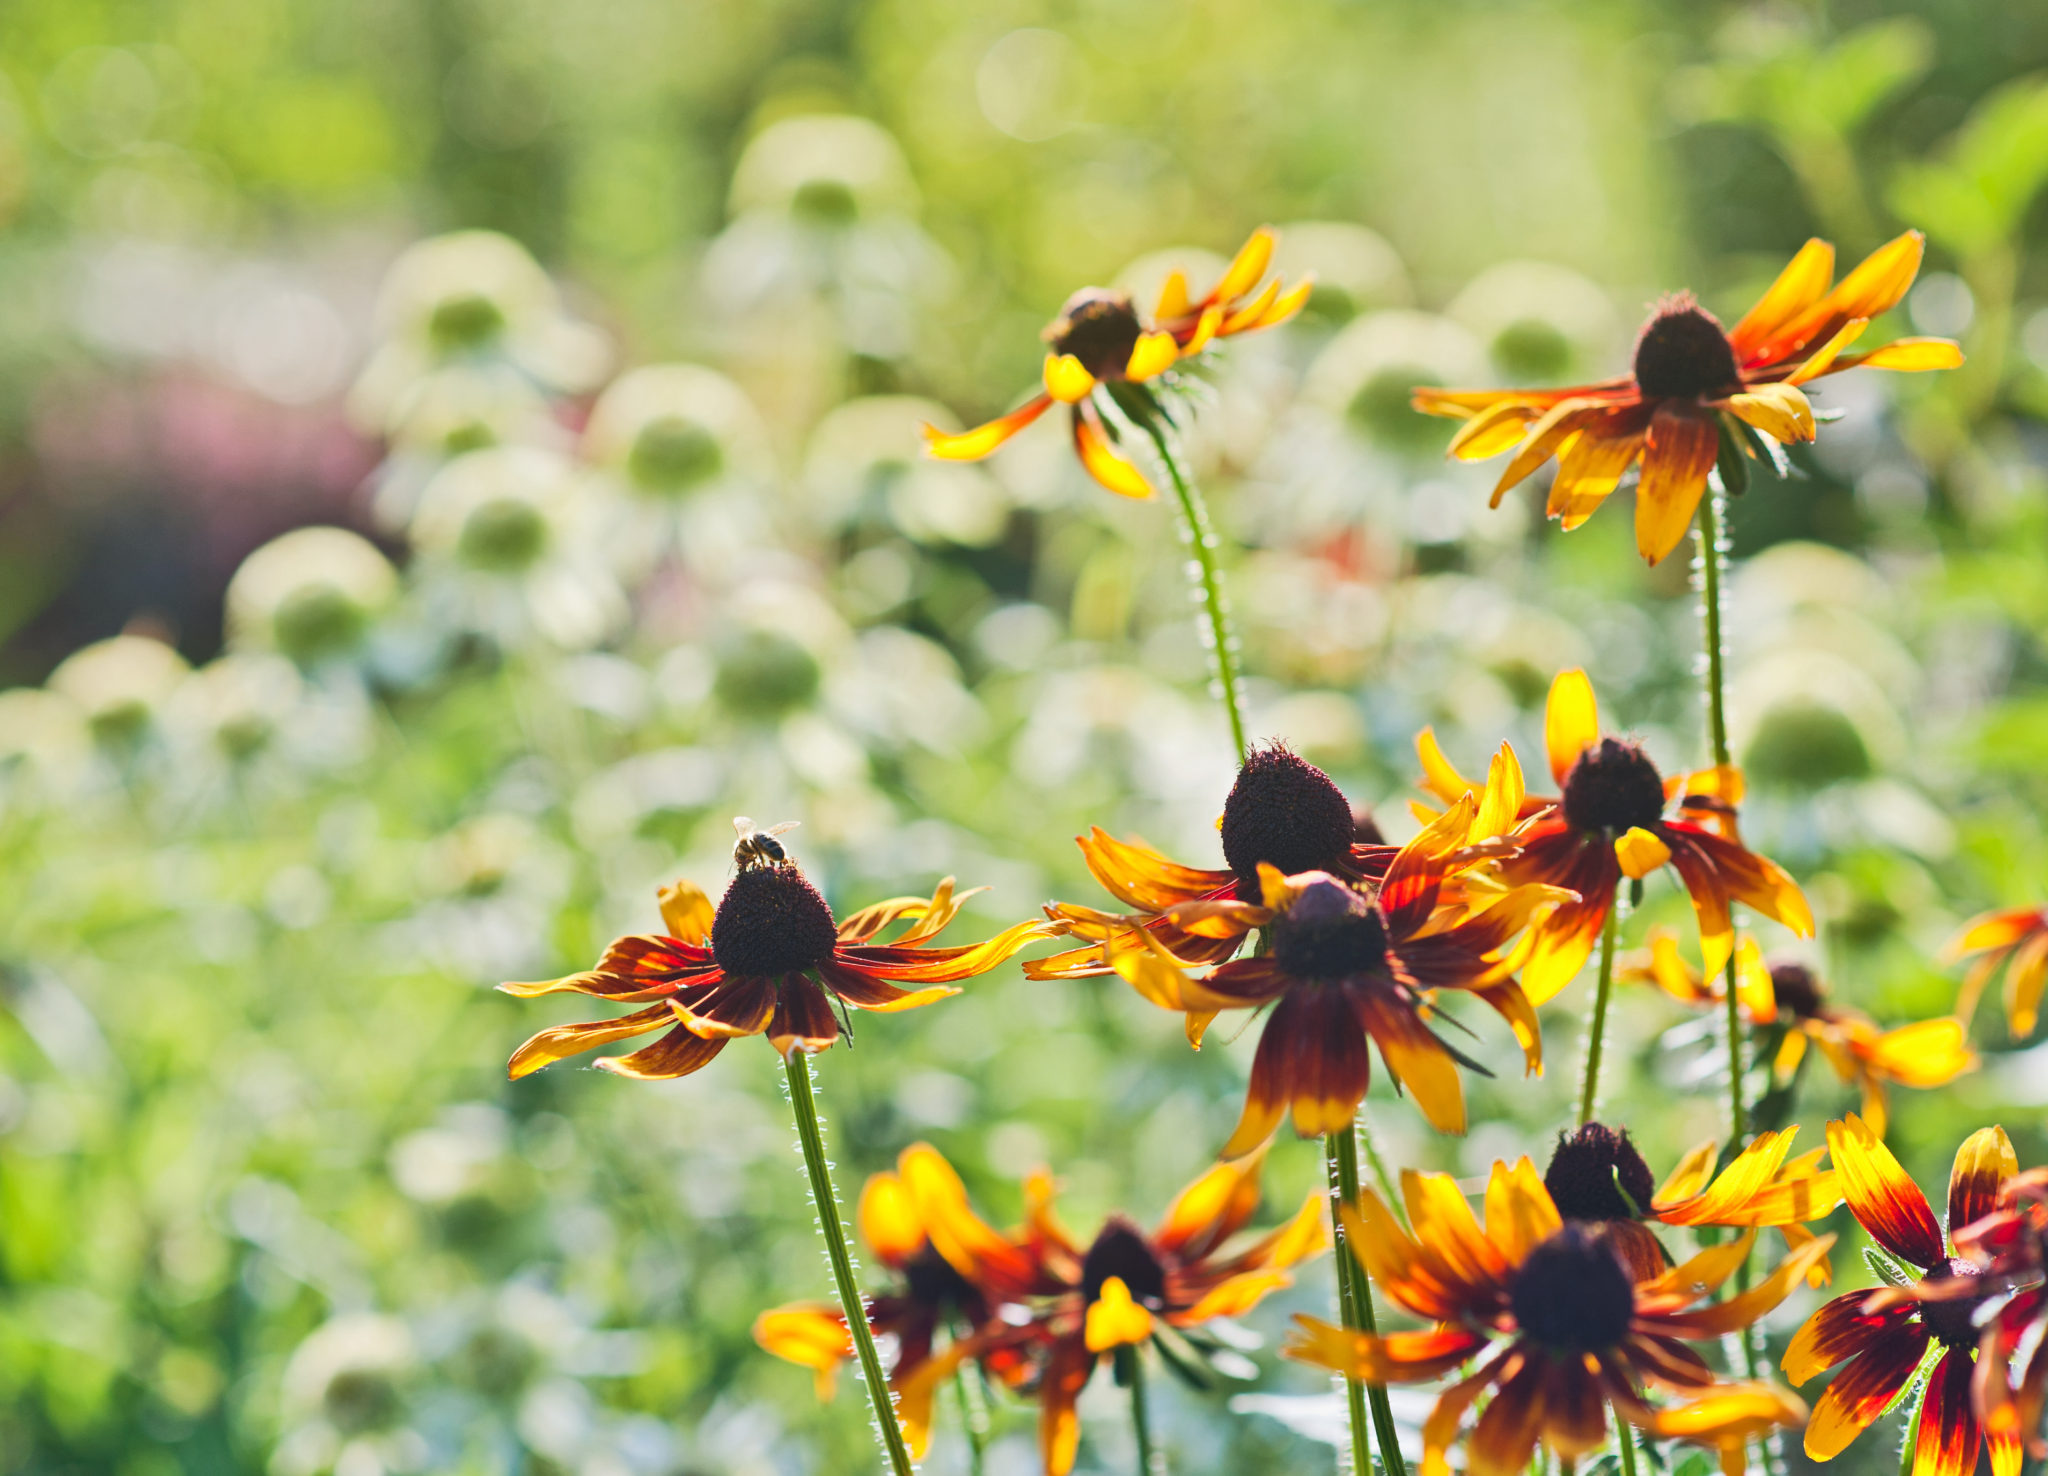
x: 1949, y: 1435
x: 1591, y: 465
x: 1839, y: 1330
x: 1441, y: 1428
x: 1505, y: 1436
x: 1211, y: 1209
x: 562, y: 1041
x: 1680, y: 451
x: 1571, y: 721
x: 1492, y: 431
x: 1152, y: 355
x: 733, y: 1008
x: 803, y: 1018
x: 1102, y: 461
x: 1780, y: 410
x: 678, y: 1053
x: 1983, y: 1164
x: 1574, y: 1409
x: 1067, y: 379
x: 1402, y: 1357
x: 1059, y: 1426
x: 1557, y: 424
x: 1417, y: 1059
x: 966, y: 1242
x: 1864, y: 1389
x: 974, y: 444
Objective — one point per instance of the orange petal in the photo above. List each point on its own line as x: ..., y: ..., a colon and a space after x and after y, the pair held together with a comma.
x: 1492, y: 431
x: 1520, y: 1214
x: 1816, y: 363
x: 686, y: 912
x: 1802, y: 284
x: 1206, y: 327
x: 1679, y: 453
x: 888, y: 1219
x: 1779, y: 410
x: 1543, y: 439
x: 1983, y: 1164
x: 974, y: 444
x: 810, y: 1335
x: 1589, y: 468
x: 1908, y: 355
x: 1212, y: 1208
x: 1571, y: 721
x: 563, y: 1041
x: 1110, y: 470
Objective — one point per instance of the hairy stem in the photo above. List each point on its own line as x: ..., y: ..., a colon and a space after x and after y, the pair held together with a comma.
x: 1130, y: 1371
x: 1589, y: 1090
x: 1626, y: 1439
x: 796, y: 1067
x: 973, y: 1415
x: 1354, y: 1308
x: 1207, y: 581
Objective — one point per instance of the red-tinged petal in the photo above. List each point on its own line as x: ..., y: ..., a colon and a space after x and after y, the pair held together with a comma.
x: 1874, y: 287
x: 962, y: 1238
x: 1995, y: 930
x: 1101, y: 461
x: 732, y: 1008
x: 562, y: 1041
x: 1136, y: 874
x: 943, y: 965
x: 803, y: 1019
x: 1822, y: 359
x: 677, y: 1053
x: 1441, y: 1428
x: 865, y: 992
x: 1983, y: 1164
x: 1949, y: 1436
x: 1839, y: 1330
x: 1680, y: 451
x: 1803, y: 283
x: 1505, y: 1437
x: 1418, y: 1061
x: 1323, y: 1063
x: 1557, y: 425
x: 639, y: 966
x: 1211, y: 1209
x: 974, y: 444
x: 1574, y: 1409
x: 1864, y: 1389
x: 1059, y: 1425
x: 1206, y: 328
x: 1884, y: 1200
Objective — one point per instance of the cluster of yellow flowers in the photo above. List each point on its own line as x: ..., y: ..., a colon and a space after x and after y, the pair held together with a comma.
x: 1564, y: 1302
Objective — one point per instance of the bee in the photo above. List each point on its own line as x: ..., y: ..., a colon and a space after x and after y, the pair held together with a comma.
x: 759, y: 847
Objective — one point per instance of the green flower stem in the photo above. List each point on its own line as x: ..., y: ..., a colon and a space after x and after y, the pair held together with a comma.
x: 1712, y: 552
x: 1354, y: 1308
x: 796, y: 1067
x: 973, y: 1415
x: 1207, y: 579
x: 1130, y: 1371
x: 1589, y: 1090
x: 1626, y: 1439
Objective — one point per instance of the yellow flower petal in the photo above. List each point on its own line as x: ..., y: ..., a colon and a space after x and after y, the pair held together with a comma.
x: 1206, y: 327
x: 1154, y: 353
x: 1066, y: 380
x: 1802, y: 284
x: 1909, y: 355
x: 1817, y: 362
x: 1779, y: 410
x: 1640, y: 853
x: 1492, y: 431
x: 1114, y: 1319
x: 1571, y: 721
x: 1101, y: 461
x: 974, y: 444
x: 1174, y: 301
x: 1249, y: 265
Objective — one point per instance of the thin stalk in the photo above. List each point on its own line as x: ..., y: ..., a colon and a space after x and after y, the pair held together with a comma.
x: 1913, y: 1434
x: 1207, y: 579
x: 1589, y: 1090
x: 1354, y: 1308
x: 796, y: 1067
x: 1626, y: 1437
x: 973, y: 1415
x: 1381, y: 1179
x: 1130, y: 1368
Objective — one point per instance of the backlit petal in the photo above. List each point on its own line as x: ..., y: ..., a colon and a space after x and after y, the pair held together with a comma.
x: 1908, y: 355
x: 974, y: 444
x: 1639, y: 852
x: 812, y: 1336
x: 1102, y: 462
x: 1492, y: 431
x: 686, y: 912
x: 1983, y: 1164
x: 1884, y: 1200
x: 1864, y: 1389
x: 1780, y: 410
x: 1949, y: 1435
x: 888, y: 1219
x: 1571, y: 721
x: 1818, y: 362
x: 1246, y: 267
x: 562, y: 1041
x: 677, y: 1053
x: 1802, y: 284
x: 1679, y: 453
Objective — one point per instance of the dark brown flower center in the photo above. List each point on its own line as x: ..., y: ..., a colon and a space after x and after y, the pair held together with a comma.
x: 1573, y: 1294
x: 1796, y: 990
x: 1122, y: 1251
x: 1596, y: 1174
x: 1284, y: 811
x: 1613, y: 787
x: 932, y: 1282
x: 1683, y: 354
x: 771, y: 921
x: 1100, y: 328
x: 1330, y: 932
x: 1952, y: 1321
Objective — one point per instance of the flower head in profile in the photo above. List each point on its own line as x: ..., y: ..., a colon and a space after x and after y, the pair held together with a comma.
x: 2010, y: 1247
x: 1559, y: 1327
x: 1282, y: 812
x: 1879, y: 1339
x: 906, y: 1216
x: 1130, y: 1286
x: 1101, y: 342
x: 1598, y: 1178
x: 1696, y: 394
x: 2016, y: 939
x: 1614, y: 817
x: 1351, y: 970
x: 769, y: 959
x: 1790, y: 996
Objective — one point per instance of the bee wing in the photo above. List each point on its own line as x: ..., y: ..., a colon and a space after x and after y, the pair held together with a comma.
x: 782, y: 829
x: 743, y: 825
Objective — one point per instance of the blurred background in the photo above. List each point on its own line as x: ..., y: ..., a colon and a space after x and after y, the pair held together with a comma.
x: 453, y: 457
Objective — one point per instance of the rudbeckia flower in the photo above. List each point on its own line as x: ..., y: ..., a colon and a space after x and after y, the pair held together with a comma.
x: 1923, y: 1054
x: 1880, y: 1338
x: 1129, y: 1287
x: 1347, y: 971
x: 770, y: 959
x: 1101, y: 342
x: 2010, y: 1247
x: 955, y: 1291
x: 1559, y: 1327
x: 1598, y: 1178
x: 2018, y: 937
x: 1283, y: 811
x: 1695, y: 392
x: 1610, y: 820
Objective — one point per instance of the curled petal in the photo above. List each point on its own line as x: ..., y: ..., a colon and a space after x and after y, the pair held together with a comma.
x: 562, y: 1041
x: 983, y: 439
x: 678, y: 1053
x: 1110, y: 470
